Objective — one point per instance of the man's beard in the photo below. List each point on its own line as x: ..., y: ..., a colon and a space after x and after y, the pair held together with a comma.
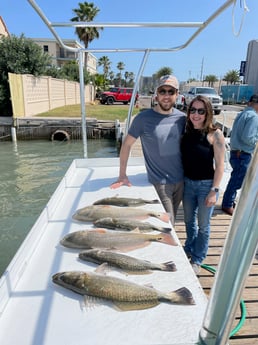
x: 166, y: 106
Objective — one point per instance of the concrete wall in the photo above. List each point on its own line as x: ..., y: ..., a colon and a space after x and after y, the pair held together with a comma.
x: 31, y: 95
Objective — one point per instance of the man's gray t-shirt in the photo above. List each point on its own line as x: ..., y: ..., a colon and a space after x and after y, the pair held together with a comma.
x: 160, y: 137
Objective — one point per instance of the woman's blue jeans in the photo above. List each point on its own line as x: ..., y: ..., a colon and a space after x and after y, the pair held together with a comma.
x: 197, y: 218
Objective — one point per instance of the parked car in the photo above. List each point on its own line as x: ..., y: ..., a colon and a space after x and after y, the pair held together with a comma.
x: 117, y: 94
x: 210, y: 92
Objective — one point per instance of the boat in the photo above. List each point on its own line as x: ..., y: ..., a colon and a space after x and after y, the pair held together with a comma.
x: 35, y: 311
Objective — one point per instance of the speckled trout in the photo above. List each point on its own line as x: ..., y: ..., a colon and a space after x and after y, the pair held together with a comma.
x: 94, y: 212
x: 128, y: 225
x: 117, y: 240
x: 124, y: 294
x: 125, y: 262
x: 125, y: 202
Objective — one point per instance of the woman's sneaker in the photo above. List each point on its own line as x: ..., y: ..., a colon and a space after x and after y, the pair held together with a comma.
x: 196, y: 268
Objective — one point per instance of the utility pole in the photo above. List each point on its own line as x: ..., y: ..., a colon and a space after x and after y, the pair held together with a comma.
x: 202, y: 69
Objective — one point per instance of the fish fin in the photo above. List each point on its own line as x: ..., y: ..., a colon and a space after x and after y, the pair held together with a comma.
x: 181, y: 296
x: 138, y: 272
x: 136, y: 230
x: 169, y: 266
x: 99, y: 230
x: 103, y: 268
x: 128, y: 249
x: 127, y: 306
x: 167, y: 239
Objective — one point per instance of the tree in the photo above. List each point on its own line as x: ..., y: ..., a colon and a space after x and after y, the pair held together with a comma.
x: 22, y: 56
x: 106, y: 63
x: 86, y: 13
x: 232, y: 77
x: 211, y: 79
x: 120, y: 66
x: 163, y: 71
x: 126, y: 75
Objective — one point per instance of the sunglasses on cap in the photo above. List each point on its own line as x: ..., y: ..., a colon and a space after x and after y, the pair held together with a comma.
x: 200, y: 111
x: 170, y: 92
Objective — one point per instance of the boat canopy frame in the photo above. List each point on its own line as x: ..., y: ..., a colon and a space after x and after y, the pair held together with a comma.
x: 199, y: 26
x: 241, y: 243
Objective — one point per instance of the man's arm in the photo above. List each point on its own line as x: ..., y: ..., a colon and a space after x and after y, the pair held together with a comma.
x: 124, y: 155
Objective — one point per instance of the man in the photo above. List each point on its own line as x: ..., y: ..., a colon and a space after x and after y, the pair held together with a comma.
x: 243, y: 139
x: 160, y: 130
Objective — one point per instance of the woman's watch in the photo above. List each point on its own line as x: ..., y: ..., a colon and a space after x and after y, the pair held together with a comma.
x: 215, y: 189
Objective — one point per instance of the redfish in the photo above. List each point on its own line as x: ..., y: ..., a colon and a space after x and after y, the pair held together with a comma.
x: 94, y: 212
x: 128, y: 224
x: 106, y: 239
x: 125, y: 295
x: 125, y: 202
x: 125, y: 262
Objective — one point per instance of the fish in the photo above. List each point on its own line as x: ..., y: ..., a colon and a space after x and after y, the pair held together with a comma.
x: 125, y: 262
x: 124, y: 294
x: 119, y: 240
x: 124, y: 201
x: 94, y: 212
x: 128, y: 225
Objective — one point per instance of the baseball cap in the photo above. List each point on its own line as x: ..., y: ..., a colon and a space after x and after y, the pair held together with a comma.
x: 254, y: 99
x: 168, y: 80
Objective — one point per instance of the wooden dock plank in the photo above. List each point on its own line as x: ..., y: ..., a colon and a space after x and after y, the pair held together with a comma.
x: 220, y: 223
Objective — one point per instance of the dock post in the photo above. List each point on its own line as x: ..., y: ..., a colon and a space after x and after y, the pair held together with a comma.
x: 13, y: 133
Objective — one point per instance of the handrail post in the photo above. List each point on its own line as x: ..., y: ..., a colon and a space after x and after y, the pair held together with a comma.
x: 238, y: 254
x: 82, y: 99
x: 136, y: 85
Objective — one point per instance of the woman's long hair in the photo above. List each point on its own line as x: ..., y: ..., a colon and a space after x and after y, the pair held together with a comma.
x: 208, y: 125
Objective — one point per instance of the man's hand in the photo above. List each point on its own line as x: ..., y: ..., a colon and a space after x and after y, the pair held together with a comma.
x: 121, y: 182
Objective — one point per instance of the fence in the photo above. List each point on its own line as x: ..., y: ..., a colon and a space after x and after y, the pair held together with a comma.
x: 34, y: 95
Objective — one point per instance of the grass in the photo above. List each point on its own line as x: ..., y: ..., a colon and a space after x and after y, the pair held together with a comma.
x: 97, y: 111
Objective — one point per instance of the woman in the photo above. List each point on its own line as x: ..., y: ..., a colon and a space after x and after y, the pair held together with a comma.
x: 203, y: 149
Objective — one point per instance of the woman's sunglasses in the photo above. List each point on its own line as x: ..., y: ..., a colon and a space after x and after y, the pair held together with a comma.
x: 200, y: 111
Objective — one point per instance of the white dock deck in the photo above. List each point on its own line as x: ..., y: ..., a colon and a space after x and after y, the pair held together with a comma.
x: 47, y: 314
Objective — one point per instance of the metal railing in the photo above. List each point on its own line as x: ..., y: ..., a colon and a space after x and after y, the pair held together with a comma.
x: 243, y: 236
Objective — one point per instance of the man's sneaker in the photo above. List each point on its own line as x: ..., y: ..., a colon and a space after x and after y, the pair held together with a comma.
x: 196, y: 268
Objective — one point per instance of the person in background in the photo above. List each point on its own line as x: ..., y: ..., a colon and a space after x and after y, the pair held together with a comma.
x: 203, y: 150
x: 243, y: 139
x: 160, y: 130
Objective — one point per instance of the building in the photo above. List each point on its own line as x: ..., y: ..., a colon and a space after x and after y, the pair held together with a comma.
x: 61, y: 55
x: 3, y: 29
x: 251, y: 66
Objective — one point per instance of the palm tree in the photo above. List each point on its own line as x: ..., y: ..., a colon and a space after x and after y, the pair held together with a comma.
x: 86, y: 13
x: 211, y: 79
x: 232, y: 77
x: 126, y: 75
x: 106, y: 63
x: 120, y: 66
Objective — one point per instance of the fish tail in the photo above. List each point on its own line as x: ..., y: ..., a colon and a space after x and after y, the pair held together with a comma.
x: 164, y: 216
x: 165, y: 230
x: 167, y: 239
x: 155, y: 201
x: 169, y: 266
x: 181, y: 296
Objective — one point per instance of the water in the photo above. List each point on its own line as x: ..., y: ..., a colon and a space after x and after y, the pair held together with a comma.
x: 29, y: 173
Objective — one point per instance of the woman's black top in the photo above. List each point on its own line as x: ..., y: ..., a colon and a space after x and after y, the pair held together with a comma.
x: 197, y: 156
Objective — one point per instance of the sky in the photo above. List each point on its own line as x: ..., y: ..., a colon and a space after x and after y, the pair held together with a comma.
x: 219, y: 48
